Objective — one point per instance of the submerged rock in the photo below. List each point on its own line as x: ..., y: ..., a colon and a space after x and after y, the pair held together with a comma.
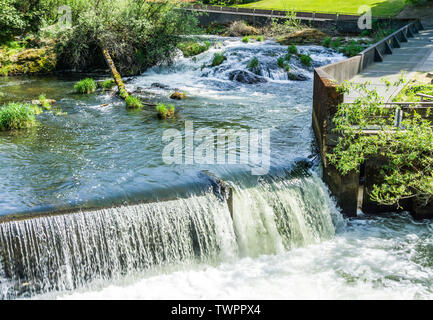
x: 297, y: 76
x: 159, y: 85
x: 245, y: 77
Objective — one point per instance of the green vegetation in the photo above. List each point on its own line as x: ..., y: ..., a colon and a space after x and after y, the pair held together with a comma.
x: 191, y: 48
x: 85, y: 86
x: 335, y: 44
x: 17, y: 116
x: 108, y: 84
x: 133, y: 102
x: 259, y: 38
x: 253, y: 65
x: 405, y: 153
x: 138, y: 34
x: 351, y: 49
x: 246, y: 39
x: 292, y: 49
x: 379, y: 7
x: 44, y: 103
x: 165, y: 111
x: 218, y: 58
x: 326, y: 42
x: 305, y: 59
x: 409, y: 93
x: 283, y: 62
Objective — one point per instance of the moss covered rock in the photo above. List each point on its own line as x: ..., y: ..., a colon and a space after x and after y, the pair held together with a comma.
x: 28, y: 61
x: 178, y: 96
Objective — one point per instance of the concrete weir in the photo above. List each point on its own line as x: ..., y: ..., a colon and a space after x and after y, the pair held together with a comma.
x: 408, y: 49
x: 222, y: 190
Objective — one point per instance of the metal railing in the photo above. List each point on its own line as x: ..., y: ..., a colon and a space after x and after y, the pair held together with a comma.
x: 401, y: 109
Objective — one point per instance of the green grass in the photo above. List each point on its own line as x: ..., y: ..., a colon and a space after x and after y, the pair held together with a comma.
x: 165, y: 111
x: 305, y: 60
x: 292, y: 49
x: 85, y: 86
x: 379, y: 7
x: 191, y: 48
x: 44, y: 103
x: 133, y: 103
x: 218, y: 58
x: 17, y: 116
x: 108, y: 84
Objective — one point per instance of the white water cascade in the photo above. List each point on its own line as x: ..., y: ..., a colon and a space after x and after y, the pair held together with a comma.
x: 58, y: 253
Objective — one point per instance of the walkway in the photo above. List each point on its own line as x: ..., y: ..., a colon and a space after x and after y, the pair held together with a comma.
x: 416, y: 55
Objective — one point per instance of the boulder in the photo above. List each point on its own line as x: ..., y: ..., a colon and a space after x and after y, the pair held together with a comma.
x: 243, y: 76
x: 178, y: 96
x: 159, y: 85
x: 297, y: 76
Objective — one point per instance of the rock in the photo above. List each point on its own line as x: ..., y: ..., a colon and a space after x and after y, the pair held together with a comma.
x: 178, y: 96
x: 38, y: 102
x: 297, y: 76
x: 245, y: 77
x: 305, y: 36
x: 159, y: 85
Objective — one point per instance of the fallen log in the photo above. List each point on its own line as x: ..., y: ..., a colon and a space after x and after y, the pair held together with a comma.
x: 116, y: 75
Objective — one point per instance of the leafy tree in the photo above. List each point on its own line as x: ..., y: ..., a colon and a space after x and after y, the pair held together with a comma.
x: 406, y: 150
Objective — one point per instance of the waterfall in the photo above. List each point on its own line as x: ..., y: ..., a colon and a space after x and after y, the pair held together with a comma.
x: 68, y: 251
x: 64, y: 252
x: 276, y: 216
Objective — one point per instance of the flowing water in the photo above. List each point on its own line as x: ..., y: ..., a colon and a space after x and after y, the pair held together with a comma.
x: 278, y: 235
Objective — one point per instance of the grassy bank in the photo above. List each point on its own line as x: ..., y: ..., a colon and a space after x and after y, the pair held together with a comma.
x: 379, y: 7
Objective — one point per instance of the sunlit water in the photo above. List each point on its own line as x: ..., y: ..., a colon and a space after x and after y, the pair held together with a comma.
x: 285, y: 239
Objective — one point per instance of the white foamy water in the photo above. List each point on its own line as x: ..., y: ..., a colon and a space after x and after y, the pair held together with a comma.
x: 381, y: 258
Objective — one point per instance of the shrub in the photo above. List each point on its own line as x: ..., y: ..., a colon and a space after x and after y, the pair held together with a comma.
x: 44, y: 103
x: 292, y: 49
x: 281, y: 62
x: 133, y: 102
x: 218, y: 58
x: 335, y: 44
x: 351, y: 49
x: 326, y: 42
x: 259, y: 38
x: 191, y: 48
x: 246, y: 39
x: 165, y: 111
x: 305, y: 59
x: 17, y: 116
x: 85, y: 86
x: 253, y: 65
x: 108, y: 84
